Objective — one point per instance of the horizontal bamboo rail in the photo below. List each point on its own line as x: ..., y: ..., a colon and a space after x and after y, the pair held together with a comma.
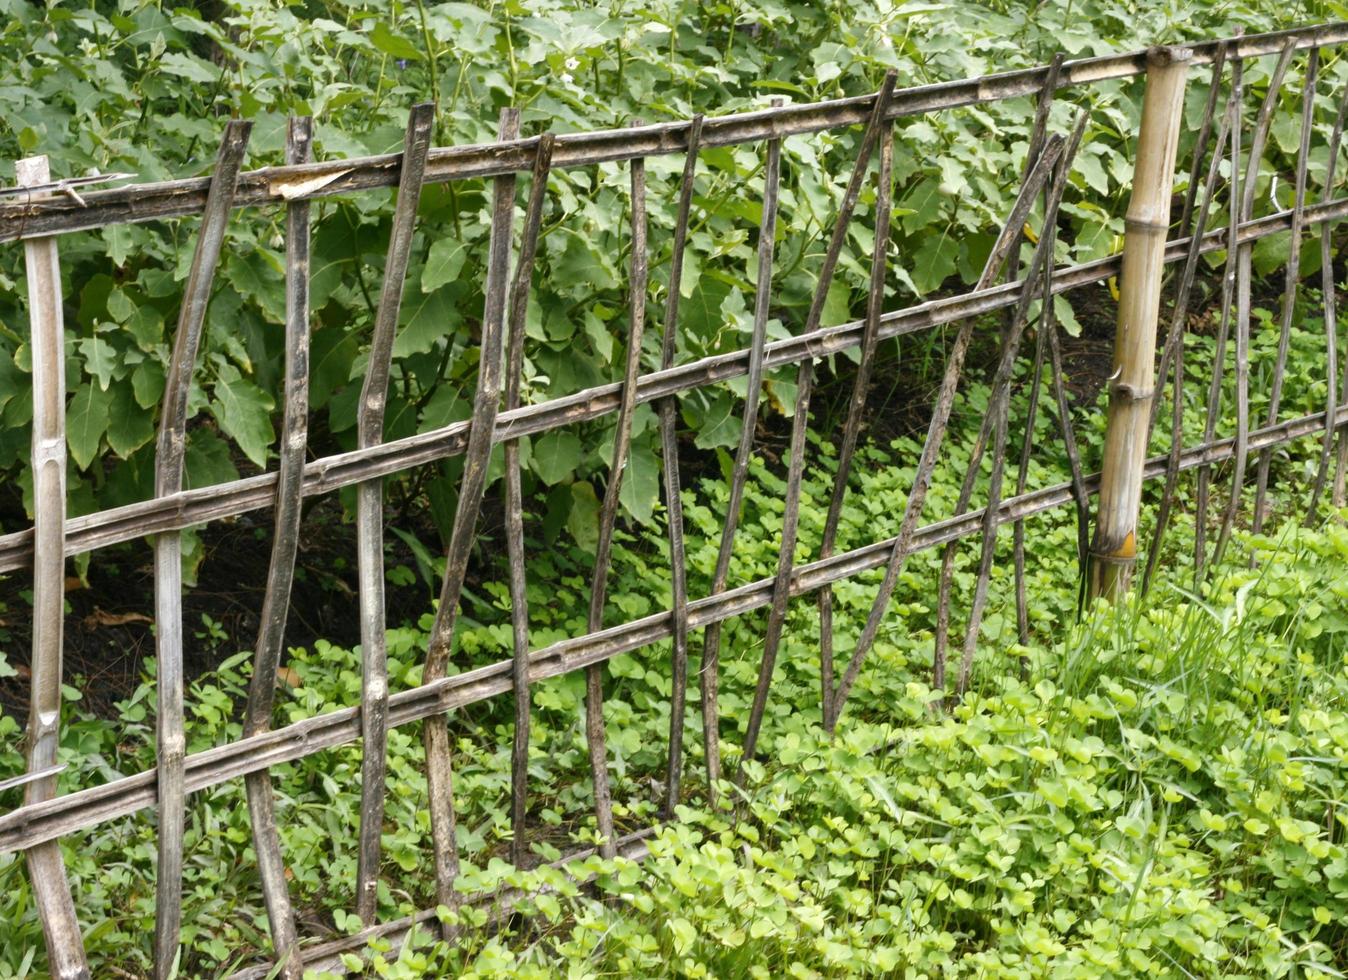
x: 132, y: 522
x: 276, y: 185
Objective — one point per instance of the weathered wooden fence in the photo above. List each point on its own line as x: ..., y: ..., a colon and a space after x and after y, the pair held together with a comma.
x: 42, y: 210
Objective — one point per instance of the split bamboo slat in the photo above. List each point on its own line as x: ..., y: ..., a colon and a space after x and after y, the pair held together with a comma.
x: 486, y: 404
x: 1329, y: 299
x: 370, y: 513
x: 46, y: 867
x: 739, y: 474
x: 800, y: 420
x: 1203, y: 488
x: 1017, y: 288
x: 608, y: 512
x: 170, y: 457
x: 514, y: 504
x: 669, y: 450
x: 281, y: 570
x: 1244, y: 313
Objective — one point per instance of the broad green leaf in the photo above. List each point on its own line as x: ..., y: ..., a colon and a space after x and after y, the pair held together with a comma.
x: 189, y: 67
x: 147, y: 383
x: 640, y: 491
x: 256, y: 278
x: 86, y: 421
x: 146, y: 327
x: 443, y: 263
x: 386, y: 41
x: 208, y: 460
x: 721, y: 425
x: 244, y: 413
x: 600, y: 338
x: 935, y: 261
x: 836, y: 304
x: 1089, y: 166
x: 426, y: 319
x: 100, y: 359
x: 120, y: 306
x: 556, y: 455
x: 583, y: 266
x: 332, y: 352
x: 120, y: 243
x: 129, y: 425
x: 11, y: 378
x: 583, y: 520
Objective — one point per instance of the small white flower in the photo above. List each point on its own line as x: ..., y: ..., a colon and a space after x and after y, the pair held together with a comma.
x: 572, y: 64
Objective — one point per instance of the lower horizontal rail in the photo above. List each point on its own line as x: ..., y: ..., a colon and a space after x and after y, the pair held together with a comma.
x: 33, y: 824
x: 188, y: 508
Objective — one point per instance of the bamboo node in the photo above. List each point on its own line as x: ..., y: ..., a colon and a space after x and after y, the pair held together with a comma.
x: 1163, y: 55
x: 1131, y: 392
x: 1141, y: 224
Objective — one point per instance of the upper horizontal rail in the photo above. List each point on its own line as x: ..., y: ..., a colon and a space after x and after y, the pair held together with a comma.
x: 39, y: 822
x: 274, y: 185
x: 118, y: 525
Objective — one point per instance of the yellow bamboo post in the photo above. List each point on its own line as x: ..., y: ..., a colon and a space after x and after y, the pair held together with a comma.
x: 1114, y: 549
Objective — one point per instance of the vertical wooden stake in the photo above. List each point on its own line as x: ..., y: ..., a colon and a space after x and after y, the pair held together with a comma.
x: 56, y: 909
x: 1114, y: 549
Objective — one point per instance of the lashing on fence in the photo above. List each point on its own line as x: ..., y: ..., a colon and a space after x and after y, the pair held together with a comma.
x: 1019, y: 287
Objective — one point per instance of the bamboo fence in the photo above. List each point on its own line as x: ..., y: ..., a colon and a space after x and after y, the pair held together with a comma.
x: 41, y: 210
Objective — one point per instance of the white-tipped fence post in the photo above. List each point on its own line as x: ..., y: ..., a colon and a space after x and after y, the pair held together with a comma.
x: 1114, y: 549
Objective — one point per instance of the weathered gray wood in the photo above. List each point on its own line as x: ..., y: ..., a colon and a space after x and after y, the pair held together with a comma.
x: 1046, y: 325
x: 608, y: 514
x: 669, y: 449
x: 739, y: 473
x: 1330, y: 301
x: 856, y: 407
x: 936, y: 429
x: 800, y: 420
x: 1202, y: 490
x: 988, y: 431
x: 271, y: 185
x: 281, y: 571
x: 191, y: 507
x: 514, y: 504
x: 1291, y: 281
x: 370, y: 514
x: 999, y: 408
x: 46, y: 868
x: 1244, y: 312
x: 486, y: 405
x: 170, y: 455
x: 1067, y: 429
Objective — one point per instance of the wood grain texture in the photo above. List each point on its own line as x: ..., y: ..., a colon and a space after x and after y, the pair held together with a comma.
x: 370, y: 513
x: 170, y: 454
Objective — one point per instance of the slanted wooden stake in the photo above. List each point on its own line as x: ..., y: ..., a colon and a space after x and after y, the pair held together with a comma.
x: 1131, y: 387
